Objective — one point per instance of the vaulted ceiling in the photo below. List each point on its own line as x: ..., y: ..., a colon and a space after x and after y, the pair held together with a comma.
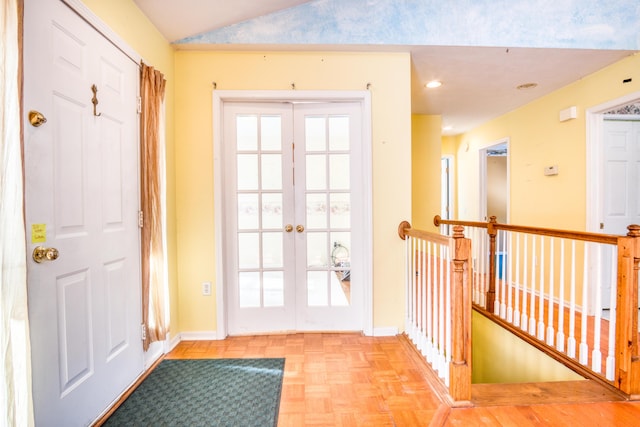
x: 481, y: 50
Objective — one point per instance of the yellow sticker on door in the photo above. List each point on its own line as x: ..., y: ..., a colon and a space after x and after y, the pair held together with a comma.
x: 38, y: 233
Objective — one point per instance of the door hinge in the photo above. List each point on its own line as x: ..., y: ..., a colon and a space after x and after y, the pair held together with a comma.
x: 140, y: 219
x: 143, y: 332
x: 602, y: 226
x: 139, y: 105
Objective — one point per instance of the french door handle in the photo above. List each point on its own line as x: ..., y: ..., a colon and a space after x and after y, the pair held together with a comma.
x: 299, y: 228
x: 288, y: 228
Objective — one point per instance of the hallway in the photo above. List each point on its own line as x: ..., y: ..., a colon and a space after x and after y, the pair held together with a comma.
x: 350, y: 380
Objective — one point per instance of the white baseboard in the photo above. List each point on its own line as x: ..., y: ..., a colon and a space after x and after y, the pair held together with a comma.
x: 198, y: 336
x: 172, y: 342
x: 388, y: 331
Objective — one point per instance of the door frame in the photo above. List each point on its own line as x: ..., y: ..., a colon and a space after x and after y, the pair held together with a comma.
x: 594, y: 118
x: 595, y: 175
x: 363, y: 98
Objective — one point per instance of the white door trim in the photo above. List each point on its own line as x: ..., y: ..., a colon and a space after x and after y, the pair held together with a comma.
x: 594, y: 118
x: 361, y: 97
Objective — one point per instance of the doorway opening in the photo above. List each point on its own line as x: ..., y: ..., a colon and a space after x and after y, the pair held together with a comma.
x: 613, y: 151
x: 494, y: 181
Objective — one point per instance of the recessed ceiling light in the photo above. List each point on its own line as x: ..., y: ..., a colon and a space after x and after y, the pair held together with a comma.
x: 526, y: 86
x: 433, y: 84
x: 447, y: 128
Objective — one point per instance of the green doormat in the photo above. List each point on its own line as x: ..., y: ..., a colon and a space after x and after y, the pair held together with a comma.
x: 205, y: 392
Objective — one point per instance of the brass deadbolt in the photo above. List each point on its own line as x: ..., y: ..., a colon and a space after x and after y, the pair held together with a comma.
x: 36, y: 118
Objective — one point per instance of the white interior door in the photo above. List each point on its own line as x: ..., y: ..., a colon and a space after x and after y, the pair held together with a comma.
x: 292, y: 201
x: 82, y: 199
x: 620, y: 194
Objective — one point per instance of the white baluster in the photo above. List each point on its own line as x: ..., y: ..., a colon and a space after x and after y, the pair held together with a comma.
x: 414, y: 269
x: 430, y: 281
x: 596, y: 354
x: 560, y: 334
x: 525, y: 318
x: 496, y: 287
x: 611, y: 359
x: 532, y: 309
x: 541, y: 295
x: 584, y: 347
x: 441, y: 316
x: 510, y: 281
x: 475, y: 244
x: 571, y: 341
x: 503, y: 275
x: 408, y: 267
x: 483, y: 268
x: 552, y: 262
x: 448, y: 343
x: 516, y: 312
x: 423, y: 291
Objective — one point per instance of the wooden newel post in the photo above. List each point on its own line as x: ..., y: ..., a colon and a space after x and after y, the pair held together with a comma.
x: 491, y: 290
x: 460, y: 368
x: 627, y: 357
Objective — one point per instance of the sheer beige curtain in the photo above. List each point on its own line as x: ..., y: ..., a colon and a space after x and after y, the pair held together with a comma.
x: 154, y: 270
x: 15, y: 356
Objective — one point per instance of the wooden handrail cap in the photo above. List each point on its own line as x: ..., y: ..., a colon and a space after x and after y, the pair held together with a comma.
x: 634, y: 230
x: 401, y: 227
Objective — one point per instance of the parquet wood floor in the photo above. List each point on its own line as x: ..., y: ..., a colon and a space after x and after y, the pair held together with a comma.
x: 336, y: 379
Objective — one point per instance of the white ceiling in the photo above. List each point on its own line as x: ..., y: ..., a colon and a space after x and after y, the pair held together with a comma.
x: 479, y: 83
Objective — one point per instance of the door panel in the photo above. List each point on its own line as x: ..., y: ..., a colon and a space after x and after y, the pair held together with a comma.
x: 81, y: 186
x: 258, y: 206
x: 328, y: 145
x: 621, y: 200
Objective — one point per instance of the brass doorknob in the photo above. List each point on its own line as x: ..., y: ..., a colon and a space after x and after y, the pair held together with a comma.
x: 299, y: 228
x: 36, y: 118
x: 40, y: 253
x: 288, y: 228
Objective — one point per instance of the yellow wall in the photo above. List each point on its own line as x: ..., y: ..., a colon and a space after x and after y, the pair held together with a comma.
x: 389, y: 75
x: 426, y: 152
x: 539, y: 139
x: 126, y: 20
x: 501, y: 357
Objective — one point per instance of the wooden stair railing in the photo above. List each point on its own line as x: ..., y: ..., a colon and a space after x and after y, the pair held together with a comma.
x: 460, y: 302
x: 627, y: 349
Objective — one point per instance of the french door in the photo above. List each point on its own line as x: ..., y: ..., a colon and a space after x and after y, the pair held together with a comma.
x: 293, y: 196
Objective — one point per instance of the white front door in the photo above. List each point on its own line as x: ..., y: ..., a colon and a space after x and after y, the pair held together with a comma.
x: 621, y: 174
x: 81, y: 195
x: 293, y: 200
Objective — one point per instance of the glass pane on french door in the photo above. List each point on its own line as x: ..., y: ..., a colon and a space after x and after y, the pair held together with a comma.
x: 260, y: 201
x: 327, y: 196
